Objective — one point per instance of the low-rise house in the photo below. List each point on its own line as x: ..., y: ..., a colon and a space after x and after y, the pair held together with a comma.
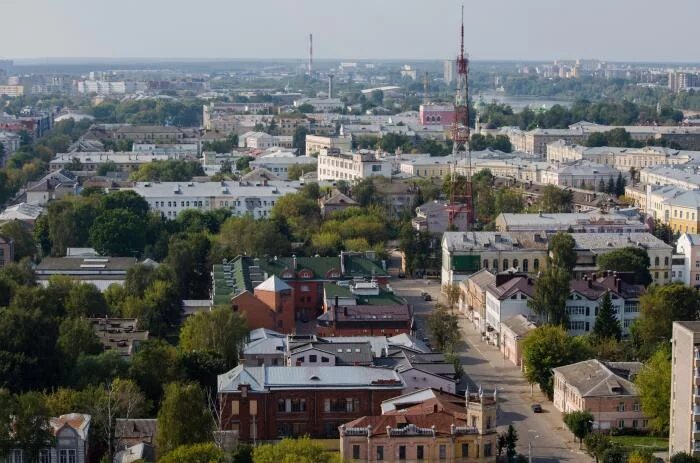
x: 264, y: 403
x: 120, y: 335
x: 506, y: 297
x: 472, y: 300
x: 425, y: 425
x: 270, y: 305
x: 99, y: 271
x: 71, y: 444
x: 688, y: 249
x: 335, y: 201
x: 363, y: 308
x: 420, y: 370
x: 267, y: 347
x: 280, y: 162
x: 513, y: 331
x: 606, y: 390
x: 25, y: 213
x: 134, y: 440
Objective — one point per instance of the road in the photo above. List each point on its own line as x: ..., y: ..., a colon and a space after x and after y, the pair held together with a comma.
x: 485, y: 366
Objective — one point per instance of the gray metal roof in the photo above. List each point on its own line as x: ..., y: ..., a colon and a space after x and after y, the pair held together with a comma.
x: 265, y: 378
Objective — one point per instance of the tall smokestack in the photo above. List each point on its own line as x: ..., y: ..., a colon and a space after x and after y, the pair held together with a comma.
x: 311, y: 53
x: 330, y: 86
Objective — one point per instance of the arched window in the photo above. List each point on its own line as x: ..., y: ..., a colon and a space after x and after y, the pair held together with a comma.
x: 525, y: 266
x: 505, y: 264
x: 515, y: 264
x: 666, y: 261
x: 495, y: 265
x: 536, y: 265
x: 486, y: 264
x: 656, y: 261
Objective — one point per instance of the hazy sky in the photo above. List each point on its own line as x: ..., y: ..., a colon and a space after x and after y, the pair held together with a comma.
x: 634, y: 30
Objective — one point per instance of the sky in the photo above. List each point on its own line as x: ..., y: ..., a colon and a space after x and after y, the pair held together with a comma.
x: 612, y: 30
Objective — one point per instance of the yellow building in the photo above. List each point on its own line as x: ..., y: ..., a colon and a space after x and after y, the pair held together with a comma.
x: 682, y: 213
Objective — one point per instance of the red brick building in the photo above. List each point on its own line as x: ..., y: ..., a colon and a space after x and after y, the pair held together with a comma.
x: 263, y: 403
x: 271, y: 305
x: 305, y: 275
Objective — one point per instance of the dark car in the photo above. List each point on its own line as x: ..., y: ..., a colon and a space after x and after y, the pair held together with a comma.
x: 402, y: 275
x: 426, y: 297
x: 536, y: 408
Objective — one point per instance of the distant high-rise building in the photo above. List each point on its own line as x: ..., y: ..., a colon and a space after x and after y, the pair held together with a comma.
x: 682, y: 80
x: 449, y: 69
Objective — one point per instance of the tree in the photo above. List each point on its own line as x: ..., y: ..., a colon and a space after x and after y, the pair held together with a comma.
x: 128, y: 200
x: 620, y: 184
x: 243, y: 162
x: 76, y: 337
x: 654, y: 385
x: 659, y: 307
x: 629, y: 259
x: 444, y: 328
x: 597, y: 444
x: 221, y: 331
x: 183, y: 418
x: 194, y: 453
x: 579, y: 423
x: 23, y: 239
x: 563, y: 251
x: 641, y: 456
x: 452, y: 293
x: 508, y: 201
x: 547, y: 347
x: 152, y: 366
x: 663, y: 232
x: 105, y: 168
x: 554, y: 199
x: 508, y: 441
x: 300, y: 450
x: 121, y: 399
x: 607, y: 324
x: 85, y: 300
x: 188, y: 253
x: 299, y: 139
x: 95, y: 370
x: 32, y: 431
x: 365, y: 192
x: 118, y: 233
x: 295, y: 171
x: 549, y: 298
x: 7, y: 405
x: 201, y: 367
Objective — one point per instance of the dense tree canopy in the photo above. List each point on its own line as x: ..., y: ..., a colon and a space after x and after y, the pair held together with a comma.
x: 629, y: 259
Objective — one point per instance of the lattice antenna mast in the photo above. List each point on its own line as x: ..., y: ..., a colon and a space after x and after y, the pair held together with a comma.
x: 461, y: 200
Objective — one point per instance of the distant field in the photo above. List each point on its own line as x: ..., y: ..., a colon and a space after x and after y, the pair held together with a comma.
x: 655, y: 444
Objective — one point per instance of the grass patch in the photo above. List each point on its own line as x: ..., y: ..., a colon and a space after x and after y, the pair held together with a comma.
x: 655, y: 444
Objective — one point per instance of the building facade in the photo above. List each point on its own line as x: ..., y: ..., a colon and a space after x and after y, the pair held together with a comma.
x: 333, y: 166
x: 684, y: 434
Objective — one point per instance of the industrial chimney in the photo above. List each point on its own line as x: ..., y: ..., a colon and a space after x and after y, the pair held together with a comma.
x: 311, y: 53
x: 330, y: 86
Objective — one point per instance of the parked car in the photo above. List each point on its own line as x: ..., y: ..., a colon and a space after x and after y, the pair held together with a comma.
x: 536, y: 408
x: 402, y: 275
x: 427, y: 297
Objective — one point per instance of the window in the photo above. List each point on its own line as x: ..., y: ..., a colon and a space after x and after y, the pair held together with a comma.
x: 495, y: 265
x: 635, y: 406
x: 66, y: 456
x: 356, y: 452
x: 465, y: 450
x: 348, y: 405
x: 621, y: 424
x: 324, y: 360
x: 419, y: 452
x: 505, y: 264
x: 16, y: 456
x: 656, y: 261
x: 486, y: 264
x: 44, y: 456
x: 515, y: 263
x: 442, y: 451
x: 380, y: 452
x: 402, y: 452
x: 313, y: 359
x: 235, y: 407
x: 621, y: 407
x: 536, y: 264
x: 666, y: 261
x: 488, y: 422
x: 487, y: 450
x: 635, y: 424
x: 525, y: 266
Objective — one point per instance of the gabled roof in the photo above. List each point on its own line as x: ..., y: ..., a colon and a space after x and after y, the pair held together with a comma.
x: 518, y: 284
x: 519, y: 324
x: 273, y: 284
x: 337, y: 198
x: 593, y: 378
x: 79, y: 422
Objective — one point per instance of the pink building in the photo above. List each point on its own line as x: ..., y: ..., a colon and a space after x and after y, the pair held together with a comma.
x: 426, y: 425
x: 605, y: 390
x: 437, y: 114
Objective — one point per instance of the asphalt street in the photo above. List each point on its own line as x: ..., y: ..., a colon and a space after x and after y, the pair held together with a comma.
x: 543, y: 435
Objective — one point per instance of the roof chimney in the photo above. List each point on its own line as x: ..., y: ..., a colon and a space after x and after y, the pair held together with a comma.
x: 345, y: 311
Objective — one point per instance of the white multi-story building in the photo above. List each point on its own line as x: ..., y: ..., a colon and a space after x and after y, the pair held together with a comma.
x: 171, y: 198
x: 321, y: 104
x: 279, y: 162
x: 315, y: 143
x: 174, y: 150
x: 262, y: 140
x: 620, y: 158
x: 11, y: 90
x: 333, y: 165
x: 125, y: 161
x: 104, y: 88
x: 684, y: 433
x: 580, y: 174
x: 683, y: 177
